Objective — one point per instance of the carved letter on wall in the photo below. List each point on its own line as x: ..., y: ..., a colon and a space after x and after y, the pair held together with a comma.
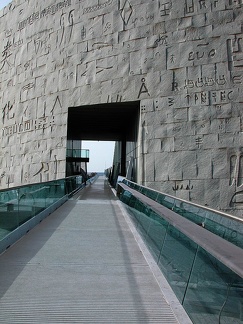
x: 143, y: 88
x: 126, y: 12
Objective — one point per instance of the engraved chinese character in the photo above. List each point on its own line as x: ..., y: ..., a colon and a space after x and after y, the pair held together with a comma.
x: 6, y: 53
x: 6, y: 112
x: 172, y: 58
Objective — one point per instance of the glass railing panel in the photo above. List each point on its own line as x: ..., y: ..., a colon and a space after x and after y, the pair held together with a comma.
x: 8, y: 212
x: 78, y: 153
x: 70, y: 184
x: 156, y: 234
x: 20, y: 204
x: 85, y: 153
x: 57, y: 190
x: 176, y: 259
x: 26, y: 201
x: 143, y: 219
x: 166, y: 201
x: 149, y: 193
x: 209, y: 291
x: 128, y: 198
x: 151, y: 227
x: 228, y: 228
x: 215, y: 293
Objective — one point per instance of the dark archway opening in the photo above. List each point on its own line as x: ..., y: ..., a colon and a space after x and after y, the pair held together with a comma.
x: 117, y: 122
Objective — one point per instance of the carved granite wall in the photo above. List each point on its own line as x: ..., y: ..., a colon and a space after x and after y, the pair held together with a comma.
x: 182, y: 58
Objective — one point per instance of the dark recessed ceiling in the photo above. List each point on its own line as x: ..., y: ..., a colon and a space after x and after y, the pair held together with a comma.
x: 104, y: 122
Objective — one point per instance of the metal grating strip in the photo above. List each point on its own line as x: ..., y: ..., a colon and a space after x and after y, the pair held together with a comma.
x: 80, y: 265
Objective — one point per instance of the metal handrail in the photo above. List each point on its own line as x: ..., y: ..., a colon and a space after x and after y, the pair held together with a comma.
x: 190, y: 203
x: 226, y: 252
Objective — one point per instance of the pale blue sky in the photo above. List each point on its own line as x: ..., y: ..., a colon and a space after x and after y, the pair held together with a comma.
x: 3, y: 3
x: 101, y: 153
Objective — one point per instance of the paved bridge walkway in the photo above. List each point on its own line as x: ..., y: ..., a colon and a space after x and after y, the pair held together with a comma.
x: 83, y: 264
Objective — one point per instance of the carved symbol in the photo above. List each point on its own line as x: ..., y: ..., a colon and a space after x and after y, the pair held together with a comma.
x: 3, y: 175
x: 161, y: 40
x: 165, y: 9
x: 143, y: 88
x: 199, y: 141
x: 202, y: 4
x: 28, y: 86
x: 175, y: 86
x: 172, y: 58
x: 6, y: 111
x: 237, y: 79
x: 97, y: 7
x: 62, y: 25
x: 236, y: 170
x: 26, y: 66
x: 6, y: 53
x: 71, y: 22
x: 38, y: 45
x: 83, y: 33
x: 236, y: 2
x: 185, y: 187
x: 8, y: 32
x: 99, y: 45
x: 57, y: 103
x: 61, y: 143
x: 126, y: 12
x: 44, y: 168
x: 101, y: 69
x: 10, y: 83
x: 55, y: 165
x: 234, y: 51
x: 107, y: 27
x: 236, y: 178
x: 171, y: 101
x: 118, y: 99
x: 189, y: 6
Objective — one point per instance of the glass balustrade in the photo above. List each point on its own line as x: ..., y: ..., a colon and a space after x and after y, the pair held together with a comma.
x: 78, y: 153
x: 208, y: 290
x: 228, y: 227
x: 20, y: 204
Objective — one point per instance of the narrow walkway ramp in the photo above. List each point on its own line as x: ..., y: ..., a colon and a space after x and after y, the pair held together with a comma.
x: 82, y: 264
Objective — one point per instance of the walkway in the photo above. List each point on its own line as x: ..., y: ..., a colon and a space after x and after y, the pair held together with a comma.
x: 82, y: 264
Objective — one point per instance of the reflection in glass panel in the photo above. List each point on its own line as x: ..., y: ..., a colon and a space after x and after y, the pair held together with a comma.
x: 209, y: 291
x: 228, y: 228
x: 21, y: 204
x: 215, y: 293
x: 176, y: 260
x: 8, y: 211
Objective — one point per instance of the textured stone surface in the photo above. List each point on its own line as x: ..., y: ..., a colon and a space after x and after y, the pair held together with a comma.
x: 181, y: 59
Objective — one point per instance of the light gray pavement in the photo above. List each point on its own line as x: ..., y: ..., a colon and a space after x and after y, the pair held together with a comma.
x: 84, y: 264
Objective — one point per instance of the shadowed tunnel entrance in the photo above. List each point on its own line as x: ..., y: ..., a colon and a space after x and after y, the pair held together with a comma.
x: 117, y: 122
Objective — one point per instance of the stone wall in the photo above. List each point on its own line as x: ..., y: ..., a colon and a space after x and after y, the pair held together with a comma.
x: 183, y: 59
